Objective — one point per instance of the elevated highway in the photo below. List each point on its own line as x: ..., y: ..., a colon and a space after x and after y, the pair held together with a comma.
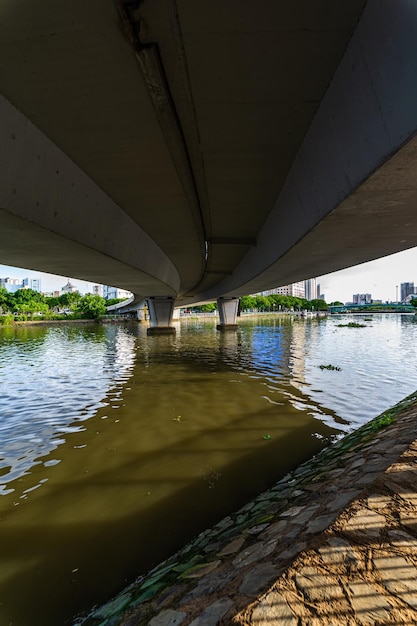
x: 202, y: 149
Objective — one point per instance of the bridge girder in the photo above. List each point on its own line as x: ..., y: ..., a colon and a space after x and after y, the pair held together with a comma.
x: 208, y: 149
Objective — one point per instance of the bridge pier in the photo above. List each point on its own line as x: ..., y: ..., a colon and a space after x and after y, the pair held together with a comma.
x: 228, y: 313
x: 161, y: 309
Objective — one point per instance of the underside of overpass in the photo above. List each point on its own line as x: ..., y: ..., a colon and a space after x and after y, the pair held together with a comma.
x: 200, y: 149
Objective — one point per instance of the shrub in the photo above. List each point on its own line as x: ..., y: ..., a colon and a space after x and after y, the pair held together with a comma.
x: 6, y: 320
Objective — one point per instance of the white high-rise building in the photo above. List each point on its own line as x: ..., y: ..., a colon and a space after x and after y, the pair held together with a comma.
x: 310, y: 289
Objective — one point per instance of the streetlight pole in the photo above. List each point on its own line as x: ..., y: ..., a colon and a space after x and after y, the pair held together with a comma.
x: 396, y: 293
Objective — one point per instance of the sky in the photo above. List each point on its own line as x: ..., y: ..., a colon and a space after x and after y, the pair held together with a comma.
x: 49, y: 282
x: 380, y: 278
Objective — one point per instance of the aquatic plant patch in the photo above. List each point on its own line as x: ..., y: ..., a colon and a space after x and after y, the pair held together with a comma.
x: 352, y: 325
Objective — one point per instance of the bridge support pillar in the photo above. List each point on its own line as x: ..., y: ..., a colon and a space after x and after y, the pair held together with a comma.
x: 161, y: 310
x: 142, y: 313
x: 228, y: 313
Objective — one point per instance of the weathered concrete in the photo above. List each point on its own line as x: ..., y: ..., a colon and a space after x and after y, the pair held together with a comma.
x: 228, y: 308
x: 160, y: 311
x: 152, y: 148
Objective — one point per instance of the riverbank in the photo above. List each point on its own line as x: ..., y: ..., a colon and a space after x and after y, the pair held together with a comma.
x: 320, y: 547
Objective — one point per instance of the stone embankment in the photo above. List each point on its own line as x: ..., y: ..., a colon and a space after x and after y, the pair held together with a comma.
x: 333, y: 543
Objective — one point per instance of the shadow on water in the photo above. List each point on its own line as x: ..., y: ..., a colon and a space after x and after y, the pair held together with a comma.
x: 175, y: 442
x: 82, y: 563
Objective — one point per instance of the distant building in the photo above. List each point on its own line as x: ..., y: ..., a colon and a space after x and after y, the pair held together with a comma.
x: 310, y: 289
x: 294, y: 289
x: 303, y: 289
x: 11, y: 284
x: 98, y: 290
x: 32, y: 283
x: 14, y: 284
x: 407, y: 289
x: 51, y: 294
x: 114, y: 292
x: 362, y: 298
x: 320, y: 296
x: 69, y: 288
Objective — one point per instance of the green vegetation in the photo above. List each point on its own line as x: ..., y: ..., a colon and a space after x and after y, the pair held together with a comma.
x: 267, y: 304
x: 330, y: 367
x: 26, y: 304
x: 112, y: 301
x: 208, y: 308
x: 352, y: 325
x: 383, y: 420
x: 277, y: 302
x: 92, y: 307
x: 6, y: 320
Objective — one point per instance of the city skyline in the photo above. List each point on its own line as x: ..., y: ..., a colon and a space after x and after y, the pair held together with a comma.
x: 381, y: 278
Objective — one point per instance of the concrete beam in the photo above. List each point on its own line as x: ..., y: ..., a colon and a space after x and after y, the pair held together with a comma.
x: 44, y: 196
x: 335, y: 208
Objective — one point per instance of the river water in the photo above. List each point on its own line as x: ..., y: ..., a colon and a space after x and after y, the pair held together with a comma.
x: 116, y: 448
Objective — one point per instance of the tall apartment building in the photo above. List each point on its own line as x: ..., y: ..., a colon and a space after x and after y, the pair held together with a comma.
x: 320, y: 296
x: 406, y: 290
x: 362, y: 298
x: 310, y: 289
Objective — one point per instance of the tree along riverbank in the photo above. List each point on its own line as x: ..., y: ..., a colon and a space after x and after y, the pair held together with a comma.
x: 28, y: 305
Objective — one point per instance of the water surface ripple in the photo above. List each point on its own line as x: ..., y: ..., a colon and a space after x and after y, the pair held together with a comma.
x: 116, y: 447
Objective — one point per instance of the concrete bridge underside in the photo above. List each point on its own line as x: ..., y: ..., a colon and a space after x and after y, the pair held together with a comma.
x: 198, y: 150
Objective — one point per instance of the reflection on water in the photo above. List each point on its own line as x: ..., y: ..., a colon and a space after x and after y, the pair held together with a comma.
x: 50, y: 383
x: 117, y: 447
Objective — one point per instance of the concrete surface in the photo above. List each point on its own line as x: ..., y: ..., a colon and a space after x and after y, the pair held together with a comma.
x: 206, y: 149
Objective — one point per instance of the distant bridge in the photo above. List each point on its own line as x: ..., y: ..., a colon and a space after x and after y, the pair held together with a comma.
x: 394, y: 307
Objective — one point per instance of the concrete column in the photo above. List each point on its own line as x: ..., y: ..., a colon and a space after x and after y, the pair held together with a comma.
x: 228, y: 313
x: 161, y: 309
x: 142, y: 313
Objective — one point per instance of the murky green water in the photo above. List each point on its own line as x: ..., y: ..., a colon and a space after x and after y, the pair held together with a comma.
x: 116, y: 448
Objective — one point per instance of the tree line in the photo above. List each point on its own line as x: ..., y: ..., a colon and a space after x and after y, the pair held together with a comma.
x: 274, y: 302
x: 27, y: 304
